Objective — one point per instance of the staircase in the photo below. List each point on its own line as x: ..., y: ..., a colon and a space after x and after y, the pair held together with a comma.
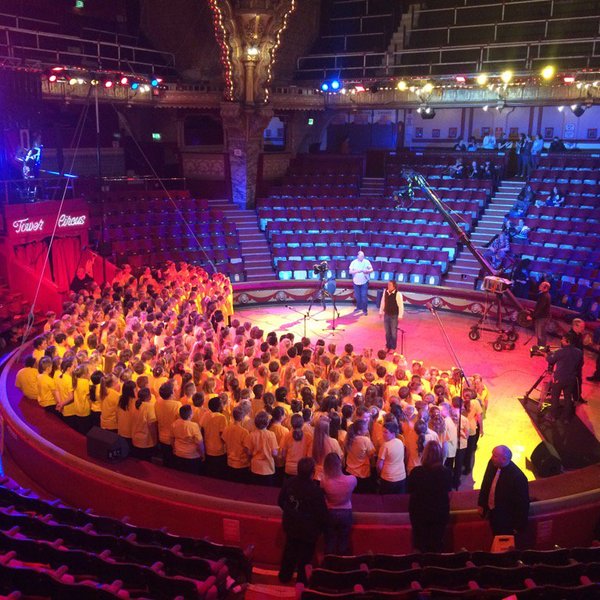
x: 372, y: 186
x: 255, y: 250
x: 465, y: 268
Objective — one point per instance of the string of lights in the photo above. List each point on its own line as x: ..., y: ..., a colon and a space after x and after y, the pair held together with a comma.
x: 107, y: 79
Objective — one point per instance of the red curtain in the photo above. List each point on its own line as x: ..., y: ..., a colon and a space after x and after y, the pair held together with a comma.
x: 66, y: 253
x: 33, y: 255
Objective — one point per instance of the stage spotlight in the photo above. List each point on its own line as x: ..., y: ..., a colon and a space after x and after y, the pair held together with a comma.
x: 124, y: 80
x: 135, y: 85
x: 561, y: 108
x: 73, y: 81
x: 485, y: 108
x: 569, y: 79
x: 548, y: 72
x: 335, y: 85
x: 577, y: 109
x: 461, y: 79
x: 506, y: 76
x: 359, y: 88
x: 482, y: 79
x: 401, y: 85
x: 154, y: 82
x: 108, y: 83
x: 94, y: 82
x: 52, y: 78
x: 426, y: 112
x: 324, y: 87
x: 428, y: 88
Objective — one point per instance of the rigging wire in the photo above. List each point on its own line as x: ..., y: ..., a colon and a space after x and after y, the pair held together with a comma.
x: 77, y: 135
x: 168, y: 194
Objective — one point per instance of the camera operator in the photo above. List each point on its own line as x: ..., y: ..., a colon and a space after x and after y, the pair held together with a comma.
x: 577, y: 331
x: 567, y: 362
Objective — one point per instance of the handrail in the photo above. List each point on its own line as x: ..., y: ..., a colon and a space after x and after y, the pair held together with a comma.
x: 98, y: 44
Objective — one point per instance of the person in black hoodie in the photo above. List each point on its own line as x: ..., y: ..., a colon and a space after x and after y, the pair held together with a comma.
x: 304, y: 520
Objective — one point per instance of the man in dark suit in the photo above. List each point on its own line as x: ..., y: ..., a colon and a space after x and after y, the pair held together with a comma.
x: 504, y: 495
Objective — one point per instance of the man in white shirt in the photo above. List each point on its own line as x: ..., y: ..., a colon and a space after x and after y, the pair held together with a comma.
x: 360, y: 269
x: 391, y: 309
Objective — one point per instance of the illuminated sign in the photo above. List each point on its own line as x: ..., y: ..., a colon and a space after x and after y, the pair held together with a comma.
x: 64, y: 221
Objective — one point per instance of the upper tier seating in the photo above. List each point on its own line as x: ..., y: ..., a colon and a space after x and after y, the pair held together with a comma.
x: 48, y: 549
x: 146, y: 228
x: 560, y: 573
x: 465, y: 36
x: 446, y: 37
x: 350, y: 27
x: 77, y: 41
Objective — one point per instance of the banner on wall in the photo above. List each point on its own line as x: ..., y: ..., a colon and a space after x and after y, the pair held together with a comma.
x: 33, y: 221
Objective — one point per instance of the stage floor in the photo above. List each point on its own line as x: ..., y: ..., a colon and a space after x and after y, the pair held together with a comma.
x: 508, y: 374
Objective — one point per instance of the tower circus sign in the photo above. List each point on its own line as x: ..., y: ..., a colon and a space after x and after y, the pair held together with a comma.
x: 64, y: 221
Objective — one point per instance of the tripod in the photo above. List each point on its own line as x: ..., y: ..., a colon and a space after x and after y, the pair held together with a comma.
x: 545, y: 379
x: 327, y: 290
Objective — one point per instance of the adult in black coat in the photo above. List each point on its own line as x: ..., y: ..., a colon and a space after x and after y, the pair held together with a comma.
x: 504, y: 494
x: 304, y: 519
x: 429, y: 486
x: 568, y: 363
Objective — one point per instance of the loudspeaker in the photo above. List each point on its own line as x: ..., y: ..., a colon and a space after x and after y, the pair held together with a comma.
x: 545, y: 460
x: 106, y: 445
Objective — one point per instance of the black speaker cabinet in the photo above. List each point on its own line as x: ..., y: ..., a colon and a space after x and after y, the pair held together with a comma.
x: 106, y: 445
x: 545, y: 460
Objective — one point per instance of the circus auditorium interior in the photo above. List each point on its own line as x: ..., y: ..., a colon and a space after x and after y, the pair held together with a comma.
x: 299, y: 299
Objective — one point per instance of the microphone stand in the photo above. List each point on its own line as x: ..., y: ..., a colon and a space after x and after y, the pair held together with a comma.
x: 402, y: 333
x: 305, y: 315
x: 463, y: 377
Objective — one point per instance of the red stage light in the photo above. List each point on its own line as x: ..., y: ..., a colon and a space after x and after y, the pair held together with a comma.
x: 52, y: 78
x: 569, y: 79
x: 108, y: 84
x: 124, y: 80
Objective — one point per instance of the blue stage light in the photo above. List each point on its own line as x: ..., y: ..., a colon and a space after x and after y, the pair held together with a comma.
x: 335, y: 84
x: 324, y: 86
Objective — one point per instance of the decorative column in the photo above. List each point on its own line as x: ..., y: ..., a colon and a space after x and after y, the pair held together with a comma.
x: 244, y: 126
x: 249, y: 33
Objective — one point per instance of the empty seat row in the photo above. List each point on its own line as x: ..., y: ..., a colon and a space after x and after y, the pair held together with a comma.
x: 361, y: 227
x: 315, y: 190
x: 516, y: 578
x: 420, y: 273
x: 565, y: 176
x: 573, y: 161
x: 24, y: 501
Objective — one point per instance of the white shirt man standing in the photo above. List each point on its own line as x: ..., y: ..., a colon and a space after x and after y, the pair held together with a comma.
x: 360, y: 269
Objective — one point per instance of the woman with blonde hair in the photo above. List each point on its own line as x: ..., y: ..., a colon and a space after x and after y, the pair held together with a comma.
x: 359, y: 451
x: 322, y: 445
x: 338, y: 490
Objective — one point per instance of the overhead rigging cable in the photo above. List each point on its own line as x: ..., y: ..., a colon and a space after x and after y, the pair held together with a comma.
x: 74, y: 142
x: 178, y: 210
